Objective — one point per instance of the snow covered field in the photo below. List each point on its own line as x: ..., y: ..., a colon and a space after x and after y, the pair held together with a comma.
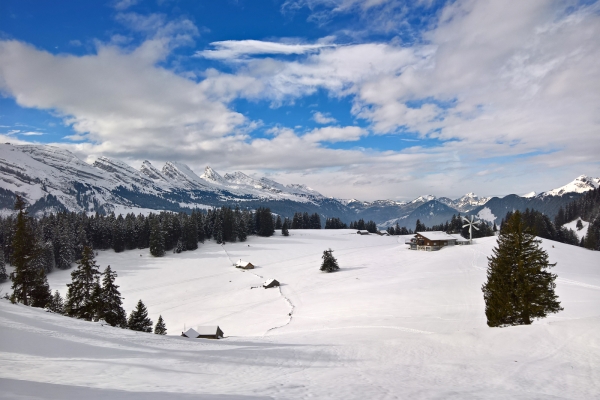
x: 392, y: 323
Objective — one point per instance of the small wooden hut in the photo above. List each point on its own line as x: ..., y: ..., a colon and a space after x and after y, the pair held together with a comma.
x: 244, y: 265
x: 204, y: 332
x: 271, y: 283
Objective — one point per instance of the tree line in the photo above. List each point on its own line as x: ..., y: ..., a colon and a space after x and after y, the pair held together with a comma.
x: 587, y: 208
x: 86, y: 297
x: 59, y: 239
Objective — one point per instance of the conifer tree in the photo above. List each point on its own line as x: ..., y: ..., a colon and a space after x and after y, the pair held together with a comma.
x: 519, y: 288
x: 278, y: 224
x: 160, y: 328
x: 157, y: 241
x: 329, y: 262
x: 3, y: 274
x: 81, y: 292
x: 111, y: 307
x: 284, y: 228
x: 56, y: 304
x: 41, y: 295
x: 28, y: 284
x: 138, y: 319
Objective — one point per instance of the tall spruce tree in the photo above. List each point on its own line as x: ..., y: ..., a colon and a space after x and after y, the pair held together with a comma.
x: 329, y: 262
x: 111, y: 307
x: 284, y: 228
x: 519, y: 288
x: 138, y: 319
x: 160, y: 328
x: 29, y: 283
x: 82, y: 301
x: 157, y: 240
x: 3, y: 274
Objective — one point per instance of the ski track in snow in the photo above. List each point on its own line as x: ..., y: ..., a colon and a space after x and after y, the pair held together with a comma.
x: 280, y: 293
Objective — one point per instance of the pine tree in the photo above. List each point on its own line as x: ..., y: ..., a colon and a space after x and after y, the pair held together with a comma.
x: 56, y: 304
x: 29, y: 283
x: 81, y: 301
x: 278, y: 222
x: 519, y: 288
x: 329, y: 262
x: 3, y: 274
x: 138, y: 319
x: 284, y: 228
x: 157, y: 241
x: 160, y: 328
x: 111, y: 307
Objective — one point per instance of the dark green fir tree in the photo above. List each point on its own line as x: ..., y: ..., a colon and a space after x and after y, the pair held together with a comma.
x: 111, y: 305
x: 157, y: 240
x: 284, y: 228
x: 519, y: 287
x: 160, y: 328
x: 29, y: 283
x: 329, y: 262
x: 138, y: 319
x: 57, y: 304
x: 3, y: 274
x: 82, y: 292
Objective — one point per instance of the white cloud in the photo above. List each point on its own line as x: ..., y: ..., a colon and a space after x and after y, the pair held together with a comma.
x: 124, y: 4
x: 32, y: 133
x: 323, y: 119
x: 497, y: 81
x: 234, y: 49
x: 334, y: 134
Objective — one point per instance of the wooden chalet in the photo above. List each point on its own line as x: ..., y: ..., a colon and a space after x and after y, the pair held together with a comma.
x: 435, y: 240
x: 362, y: 232
x: 204, y: 332
x: 244, y: 265
x: 271, y: 283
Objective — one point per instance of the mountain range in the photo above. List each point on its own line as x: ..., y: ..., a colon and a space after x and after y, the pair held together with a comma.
x: 53, y: 179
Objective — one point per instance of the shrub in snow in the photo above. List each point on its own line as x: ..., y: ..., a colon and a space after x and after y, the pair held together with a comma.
x: 329, y: 262
x: 160, y: 328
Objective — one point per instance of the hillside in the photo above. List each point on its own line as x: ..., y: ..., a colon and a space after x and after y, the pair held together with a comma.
x: 391, y: 323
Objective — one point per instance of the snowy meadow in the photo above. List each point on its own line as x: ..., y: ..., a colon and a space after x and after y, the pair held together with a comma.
x: 391, y: 323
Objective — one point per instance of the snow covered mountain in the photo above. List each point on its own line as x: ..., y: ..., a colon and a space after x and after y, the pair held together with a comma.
x: 53, y: 179
x: 581, y: 184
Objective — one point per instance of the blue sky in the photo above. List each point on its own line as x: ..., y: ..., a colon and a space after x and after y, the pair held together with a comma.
x: 368, y: 99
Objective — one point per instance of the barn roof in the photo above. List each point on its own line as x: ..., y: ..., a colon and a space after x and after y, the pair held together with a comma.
x: 243, y: 262
x: 267, y: 283
x: 459, y: 238
x: 207, y: 330
x: 437, y: 235
x: 191, y: 333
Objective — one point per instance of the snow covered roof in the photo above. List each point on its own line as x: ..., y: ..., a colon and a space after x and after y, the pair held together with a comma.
x: 437, y: 235
x: 270, y: 281
x: 207, y: 330
x: 458, y: 237
x: 241, y: 262
x: 191, y: 333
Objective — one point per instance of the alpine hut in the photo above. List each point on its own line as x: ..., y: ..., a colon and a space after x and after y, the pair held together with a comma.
x: 271, y: 283
x: 430, y: 241
x: 204, y: 332
x: 362, y: 232
x: 244, y: 265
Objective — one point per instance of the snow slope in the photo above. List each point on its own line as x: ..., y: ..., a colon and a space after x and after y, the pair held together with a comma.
x: 392, y: 323
x: 573, y: 225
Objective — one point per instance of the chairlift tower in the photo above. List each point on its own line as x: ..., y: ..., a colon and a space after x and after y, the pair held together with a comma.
x: 471, y: 224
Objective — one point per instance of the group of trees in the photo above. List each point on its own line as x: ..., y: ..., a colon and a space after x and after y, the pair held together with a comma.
x: 86, y: 298
x: 587, y: 208
x: 305, y: 221
x: 59, y: 239
x: 361, y: 225
x: 455, y: 225
x: 335, y: 223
